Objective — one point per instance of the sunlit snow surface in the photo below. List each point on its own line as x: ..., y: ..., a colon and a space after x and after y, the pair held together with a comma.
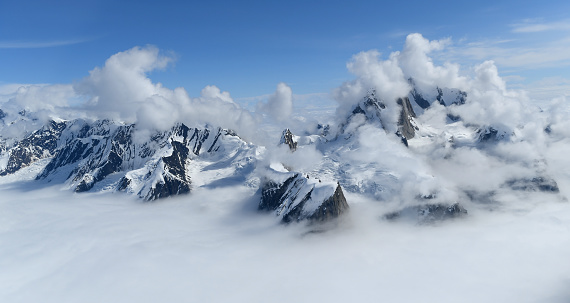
x: 212, y: 246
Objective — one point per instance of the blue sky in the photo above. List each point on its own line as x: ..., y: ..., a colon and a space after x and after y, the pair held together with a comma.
x: 247, y: 47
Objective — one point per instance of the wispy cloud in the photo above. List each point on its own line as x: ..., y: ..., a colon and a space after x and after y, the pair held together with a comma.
x: 39, y: 44
x: 535, y: 27
x: 511, y: 54
x: 549, y: 88
x: 518, y: 52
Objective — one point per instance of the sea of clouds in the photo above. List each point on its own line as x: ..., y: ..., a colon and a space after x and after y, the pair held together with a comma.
x: 61, y: 247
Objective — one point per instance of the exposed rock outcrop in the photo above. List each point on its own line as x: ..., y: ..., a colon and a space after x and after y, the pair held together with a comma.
x: 419, y: 99
x: 489, y: 134
x: 444, y: 96
x: 405, y: 122
x: 174, y: 179
x: 288, y: 139
x: 295, y: 198
x: 540, y: 183
x: 372, y: 109
x: 87, y: 153
x: 92, y: 153
x: 38, y: 145
x: 429, y: 213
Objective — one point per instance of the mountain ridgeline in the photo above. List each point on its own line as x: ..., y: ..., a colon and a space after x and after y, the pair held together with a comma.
x: 110, y: 156
x: 105, y: 155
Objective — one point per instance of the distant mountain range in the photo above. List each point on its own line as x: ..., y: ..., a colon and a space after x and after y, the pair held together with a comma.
x: 369, y: 152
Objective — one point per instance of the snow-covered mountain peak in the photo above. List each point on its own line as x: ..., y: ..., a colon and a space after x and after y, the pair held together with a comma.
x: 289, y: 139
x: 422, y: 98
x: 103, y: 155
x: 361, y: 154
x: 294, y: 197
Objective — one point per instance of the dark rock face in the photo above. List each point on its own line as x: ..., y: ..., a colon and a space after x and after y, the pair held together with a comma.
x: 96, y: 151
x: 105, y: 155
x: 290, y: 199
x: 2, y: 114
x: 372, y: 104
x: 419, y: 99
x: 548, y: 129
x: 332, y: 208
x: 372, y: 101
x: 198, y: 138
x: 405, y: 126
x: 439, y: 96
x: 429, y: 213
x: 370, y: 107
x: 92, y: 151
x: 323, y: 129
x: 542, y: 184
x: 453, y: 118
x: 176, y: 181
x: 287, y: 139
x: 460, y: 97
x: 38, y: 145
x: 443, y: 96
x: 166, y: 176
x: 358, y: 110
x: 273, y: 194
x: 488, y: 134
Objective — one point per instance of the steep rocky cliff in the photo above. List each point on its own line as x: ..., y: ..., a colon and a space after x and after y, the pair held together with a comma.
x: 294, y: 198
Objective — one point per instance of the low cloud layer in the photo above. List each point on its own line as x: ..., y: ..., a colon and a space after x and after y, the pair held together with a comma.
x: 59, y: 247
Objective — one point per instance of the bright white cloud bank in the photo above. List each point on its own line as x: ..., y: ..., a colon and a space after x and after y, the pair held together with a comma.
x: 121, y: 85
x: 122, y: 90
x: 57, y: 247
x: 279, y: 105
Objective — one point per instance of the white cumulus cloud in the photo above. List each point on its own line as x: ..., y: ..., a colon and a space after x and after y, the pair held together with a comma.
x: 119, y: 87
x: 279, y: 105
x: 416, y: 63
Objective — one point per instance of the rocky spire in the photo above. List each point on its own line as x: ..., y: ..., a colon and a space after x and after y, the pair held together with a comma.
x: 405, y: 126
x: 288, y: 139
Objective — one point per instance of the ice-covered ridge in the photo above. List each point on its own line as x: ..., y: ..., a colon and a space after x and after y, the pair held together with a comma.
x: 294, y: 197
x: 83, y: 153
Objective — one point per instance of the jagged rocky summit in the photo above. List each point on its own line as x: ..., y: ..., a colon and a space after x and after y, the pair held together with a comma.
x: 294, y: 197
x: 424, y: 98
x: 288, y: 139
x: 40, y: 144
x: 361, y: 154
x: 106, y: 156
x: 373, y: 176
x: 428, y: 213
x: 372, y: 108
